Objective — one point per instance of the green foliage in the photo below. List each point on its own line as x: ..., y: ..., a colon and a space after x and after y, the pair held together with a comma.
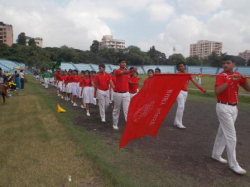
x: 176, y: 58
x: 157, y: 57
x: 94, y: 47
x: 240, y: 61
x: 44, y: 57
x: 21, y: 40
x: 193, y: 60
x: 248, y: 62
x: 32, y: 42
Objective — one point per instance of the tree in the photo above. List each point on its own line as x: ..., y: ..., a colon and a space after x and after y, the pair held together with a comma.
x: 214, y: 60
x: 21, y: 40
x: 248, y: 62
x: 176, y: 58
x: 32, y: 42
x: 239, y: 61
x: 193, y: 60
x: 94, y: 47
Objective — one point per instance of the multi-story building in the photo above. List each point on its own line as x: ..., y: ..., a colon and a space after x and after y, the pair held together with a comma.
x: 245, y: 55
x: 109, y: 42
x: 204, y: 48
x: 6, y: 34
x: 38, y: 41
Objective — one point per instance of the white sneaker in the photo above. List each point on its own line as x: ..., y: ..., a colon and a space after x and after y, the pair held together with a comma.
x: 103, y: 120
x: 82, y: 106
x: 115, y: 127
x: 72, y: 101
x: 220, y: 159
x: 180, y: 126
x: 88, y: 114
x: 238, y: 170
x: 65, y: 98
x: 59, y: 95
x: 62, y: 97
x: 74, y: 104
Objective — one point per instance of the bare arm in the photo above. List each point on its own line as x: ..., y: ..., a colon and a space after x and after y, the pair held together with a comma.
x: 198, y: 86
x: 111, y: 84
x: 127, y: 71
x: 246, y: 85
x: 220, y: 88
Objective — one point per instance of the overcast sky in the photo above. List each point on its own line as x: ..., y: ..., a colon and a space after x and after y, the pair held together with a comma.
x: 143, y: 23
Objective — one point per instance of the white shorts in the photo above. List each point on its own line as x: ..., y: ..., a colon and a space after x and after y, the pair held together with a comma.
x: 69, y: 88
x: 63, y: 88
x: 75, y: 88
x: 59, y: 86
x: 88, y: 95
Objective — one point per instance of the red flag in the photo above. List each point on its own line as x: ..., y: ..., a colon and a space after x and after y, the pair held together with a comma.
x: 149, y: 107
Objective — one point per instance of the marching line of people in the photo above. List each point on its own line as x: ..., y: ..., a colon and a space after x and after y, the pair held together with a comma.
x: 122, y: 85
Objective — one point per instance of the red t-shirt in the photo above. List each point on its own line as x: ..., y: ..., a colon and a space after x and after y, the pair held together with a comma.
x: 56, y: 75
x: 133, y: 87
x: 113, y: 77
x: 85, y: 81
x: 103, y: 80
x: 75, y: 78
x: 60, y: 77
x: 69, y: 79
x: 64, y: 77
x: 185, y: 87
x: 121, y: 84
x: 230, y: 94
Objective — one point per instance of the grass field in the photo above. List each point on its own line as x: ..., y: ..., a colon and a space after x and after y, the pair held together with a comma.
x: 36, y: 148
x: 40, y: 147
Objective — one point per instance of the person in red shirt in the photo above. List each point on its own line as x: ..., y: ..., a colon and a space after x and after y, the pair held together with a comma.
x: 157, y: 70
x: 56, y: 77
x: 60, y: 82
x: 68, y: 85
x: 182, y: 97
x: 87, y: 91
x: 80, y: 95
x: 64, y: 77
x: 227, y: 89
x: 147, y: 81
x: 121, y: 93
x: 133, y: 83
x: 102, y: 83
x: 75, y: 86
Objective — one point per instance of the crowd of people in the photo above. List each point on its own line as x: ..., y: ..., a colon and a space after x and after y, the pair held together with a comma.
x: 11, y: 82
x: 120, y: 86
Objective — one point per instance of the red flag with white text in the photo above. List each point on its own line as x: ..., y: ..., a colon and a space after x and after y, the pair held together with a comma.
x: 149, y: 107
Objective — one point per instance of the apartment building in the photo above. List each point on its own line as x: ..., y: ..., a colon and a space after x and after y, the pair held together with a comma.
x: 204, y: 48
x: 6, y: 34
x: 109, y: 42
x: 38, y: 41
x: 245, y: 55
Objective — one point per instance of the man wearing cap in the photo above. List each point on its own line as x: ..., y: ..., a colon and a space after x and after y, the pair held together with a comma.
x: 121, y: 93
x: 227, y: 89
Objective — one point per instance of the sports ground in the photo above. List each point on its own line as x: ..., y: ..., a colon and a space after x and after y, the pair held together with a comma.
x: 40, y: 147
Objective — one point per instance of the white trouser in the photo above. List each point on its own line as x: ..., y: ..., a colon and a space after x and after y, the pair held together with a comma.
x: 120, y: 99
x: 181, y: 100
x: 111, y: 94
x: 46, y: 82
x: 226, y: 135
x: 132, y: 95
x: 103, y: 101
